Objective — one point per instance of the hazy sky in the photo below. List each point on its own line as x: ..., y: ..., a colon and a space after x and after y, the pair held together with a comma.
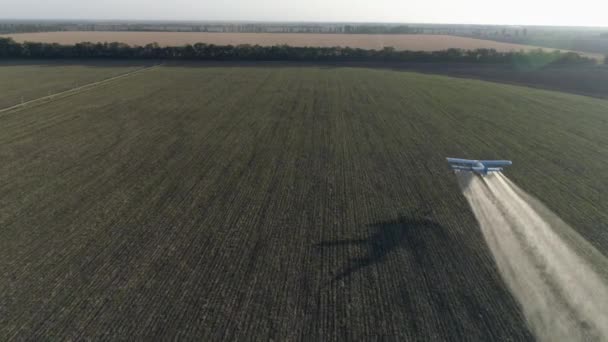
x: 538, y: 12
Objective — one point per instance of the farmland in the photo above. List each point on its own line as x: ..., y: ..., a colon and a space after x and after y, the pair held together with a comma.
x: 590, y: 80
x: 197, y: 202
x: 419, y: 42
x: 27, y: 81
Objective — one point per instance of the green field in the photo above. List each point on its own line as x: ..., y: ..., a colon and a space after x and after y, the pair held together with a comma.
x: 278, y: 203
x: 25, y: 81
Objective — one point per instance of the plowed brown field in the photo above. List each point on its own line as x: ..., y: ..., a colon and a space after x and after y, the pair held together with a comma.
x: 363, y: 41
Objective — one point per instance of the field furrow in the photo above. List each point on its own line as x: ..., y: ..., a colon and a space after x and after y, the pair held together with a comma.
x: 311, y: 203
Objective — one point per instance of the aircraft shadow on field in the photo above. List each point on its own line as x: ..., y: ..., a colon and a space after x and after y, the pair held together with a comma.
x: 388, y: 236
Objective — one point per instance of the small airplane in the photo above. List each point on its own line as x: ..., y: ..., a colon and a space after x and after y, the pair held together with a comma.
x: 481, y: 167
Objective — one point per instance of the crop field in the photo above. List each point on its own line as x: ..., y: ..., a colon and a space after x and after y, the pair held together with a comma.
x: 585, y: 80
x: 314, y: 203
x: 21, y: 81
x: 416, y: 42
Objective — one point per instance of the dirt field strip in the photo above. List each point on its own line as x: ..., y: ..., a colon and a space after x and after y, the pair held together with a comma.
x: 413, y: 42
x: 76, y: 90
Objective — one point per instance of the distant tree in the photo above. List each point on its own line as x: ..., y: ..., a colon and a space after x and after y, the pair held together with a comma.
x: 606, y: 60
x: 401, y: 29
x: 9, y: 48
x: 200, y: 51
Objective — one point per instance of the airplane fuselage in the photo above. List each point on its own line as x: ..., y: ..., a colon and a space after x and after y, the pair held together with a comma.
x: 481, y: 167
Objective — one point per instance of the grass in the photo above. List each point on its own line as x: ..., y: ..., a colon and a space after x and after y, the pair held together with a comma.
x: 284, y: 203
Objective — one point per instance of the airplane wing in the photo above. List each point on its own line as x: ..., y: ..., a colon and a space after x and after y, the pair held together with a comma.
x: 458, y: 161
x: 496, y: 163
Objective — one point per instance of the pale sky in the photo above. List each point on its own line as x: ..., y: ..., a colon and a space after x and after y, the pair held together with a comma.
x: 516, y: 12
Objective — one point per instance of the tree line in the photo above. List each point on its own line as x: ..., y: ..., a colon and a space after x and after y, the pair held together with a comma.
x: 381, y: 29
x: 30, y: 50
x: 24, y: 27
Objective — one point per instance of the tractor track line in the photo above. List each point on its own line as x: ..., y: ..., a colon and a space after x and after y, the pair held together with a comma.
x: 77, y: 90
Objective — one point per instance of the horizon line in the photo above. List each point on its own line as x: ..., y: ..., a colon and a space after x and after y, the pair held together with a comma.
x: 228, y: 21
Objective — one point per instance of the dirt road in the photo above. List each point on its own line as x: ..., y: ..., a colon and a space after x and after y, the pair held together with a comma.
x: 75, y: 90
